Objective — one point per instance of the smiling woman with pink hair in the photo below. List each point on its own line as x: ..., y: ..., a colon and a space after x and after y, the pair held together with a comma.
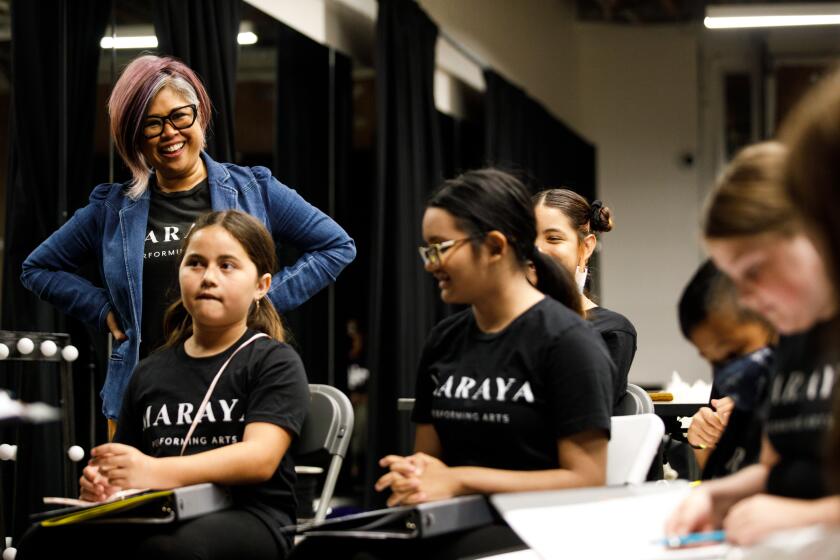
x: 140, y: 83
x: 160, y: 114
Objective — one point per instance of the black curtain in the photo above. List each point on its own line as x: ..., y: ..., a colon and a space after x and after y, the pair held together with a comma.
x: 523, y: 137
x: 462, y: 144
x: 52, y: 117
x: 401, y: 294
x: 203, y: 34
x: 313, y: 138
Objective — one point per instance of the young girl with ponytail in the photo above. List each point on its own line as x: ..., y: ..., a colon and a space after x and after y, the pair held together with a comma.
x: 221, y: 402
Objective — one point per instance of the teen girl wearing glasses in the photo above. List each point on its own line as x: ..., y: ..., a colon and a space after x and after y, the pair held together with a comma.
x: 513, y: 393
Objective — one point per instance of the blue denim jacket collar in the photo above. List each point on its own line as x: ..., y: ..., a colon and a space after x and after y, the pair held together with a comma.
x: 222, y: 195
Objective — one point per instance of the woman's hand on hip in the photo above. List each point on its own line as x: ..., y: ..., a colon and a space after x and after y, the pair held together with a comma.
x: 114, y: 327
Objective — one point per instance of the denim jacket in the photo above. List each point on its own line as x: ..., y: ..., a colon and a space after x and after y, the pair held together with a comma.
x: 112, y: 229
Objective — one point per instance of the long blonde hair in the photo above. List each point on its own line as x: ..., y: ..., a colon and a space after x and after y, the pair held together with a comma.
x: 812, y: 176
x: 258, y: 244
x: 749, y: 198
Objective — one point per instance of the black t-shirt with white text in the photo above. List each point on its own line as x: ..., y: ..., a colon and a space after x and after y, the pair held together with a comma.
x: 502, y: 400
x: 619, y: 334
x: 171, y: 215
x: 799, y: 414
x: 264, y: 382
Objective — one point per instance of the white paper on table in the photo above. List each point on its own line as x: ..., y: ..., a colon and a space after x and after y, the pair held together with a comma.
x: 625, y: 526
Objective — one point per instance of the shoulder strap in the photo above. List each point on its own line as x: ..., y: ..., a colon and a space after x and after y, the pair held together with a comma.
x: 200, y: 412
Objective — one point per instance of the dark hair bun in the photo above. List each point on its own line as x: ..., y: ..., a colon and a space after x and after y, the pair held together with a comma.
x: 600, y: 218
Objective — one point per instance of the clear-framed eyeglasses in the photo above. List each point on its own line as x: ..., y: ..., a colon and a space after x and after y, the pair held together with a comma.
x: 179, y: 117
x: 432, y: 254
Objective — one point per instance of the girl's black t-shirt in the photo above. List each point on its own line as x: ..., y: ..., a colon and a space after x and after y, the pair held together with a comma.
x: 619, y: 334
x: 799, y: 414
x: 502, y: 400
x: 264, y: 382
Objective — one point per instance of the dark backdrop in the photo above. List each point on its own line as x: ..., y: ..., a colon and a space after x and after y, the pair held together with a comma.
x: 314, y: 120
x: 50, y: 160
x: 523, y: 137
x: 401, y: 295
x: 203, y: 35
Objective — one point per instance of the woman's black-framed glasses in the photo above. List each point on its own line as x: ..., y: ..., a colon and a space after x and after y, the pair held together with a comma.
x: 432, y: 254
x: 179, y: 117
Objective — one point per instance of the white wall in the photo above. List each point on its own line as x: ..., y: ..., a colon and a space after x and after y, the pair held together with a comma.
x: 632, y: 91
x: 638, y: 104
x: 530, y: 42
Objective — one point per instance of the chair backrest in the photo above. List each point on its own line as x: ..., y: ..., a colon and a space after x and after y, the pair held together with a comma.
x: 328, y: 427
x: 635, y: 401
x: 633, y: 444
x: 627, y: 405
x: 645, y: 402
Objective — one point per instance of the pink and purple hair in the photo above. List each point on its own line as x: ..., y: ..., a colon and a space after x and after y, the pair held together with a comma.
x: 139, y: 82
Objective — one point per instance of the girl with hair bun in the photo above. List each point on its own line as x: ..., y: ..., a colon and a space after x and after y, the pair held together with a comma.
x: 566, y: 231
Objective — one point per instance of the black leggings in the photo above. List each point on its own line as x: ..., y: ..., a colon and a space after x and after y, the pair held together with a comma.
x: 222, y: 535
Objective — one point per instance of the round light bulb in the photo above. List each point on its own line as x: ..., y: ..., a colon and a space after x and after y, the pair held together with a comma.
x: 48, y: 348
x: 76, y: 453
x: 4, y: 351
x: 25, y: 346
x: 8, y: 452
x: 70, y: 353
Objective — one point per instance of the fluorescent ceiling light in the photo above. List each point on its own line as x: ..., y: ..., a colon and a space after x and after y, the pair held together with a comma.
x: 137, y: 40
x: 771, y: 15
x: 141, y: 42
